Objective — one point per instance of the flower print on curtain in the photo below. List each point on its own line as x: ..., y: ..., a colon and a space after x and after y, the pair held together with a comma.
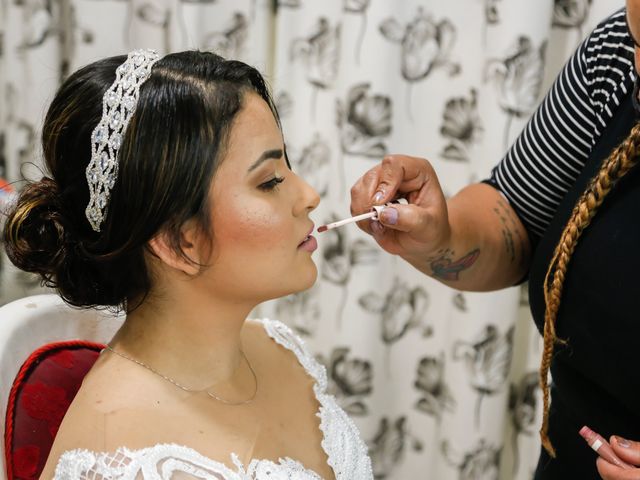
x: 570, y: 14
x: 339, y: 258
x: 523, y: 405
x: 425, y: 46
x: 284, y: 104
x: 488, y: 359
x: 41, y: 21
x: 492, y: 11
x: 518, y: 78
x: 301, y: 311
x: 289, y: 3
x: 491, y: 17
x: 230, y: 42
x: 350, y: 380
x: 399, y: 310
x: 436, y: 396
x: 157, y: 15
x: 461, y: 126
x: 365, y: 125
x: 320, y: 53
x: 481, y: 463
x: 459, y: 301
x: 27, y: 147
x: 154, y: 14
x: 24, y: 141
x: 389, y: 446
x: 313, y: 163
x: 358, y: 7
x: 46, y: 20
x: 365, y: 122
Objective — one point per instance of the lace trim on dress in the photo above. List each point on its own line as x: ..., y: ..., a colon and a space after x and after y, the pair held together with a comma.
x: 164, y: 461
x: 347, y: 454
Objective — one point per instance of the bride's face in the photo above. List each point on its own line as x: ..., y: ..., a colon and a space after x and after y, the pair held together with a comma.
x: 260, y: 213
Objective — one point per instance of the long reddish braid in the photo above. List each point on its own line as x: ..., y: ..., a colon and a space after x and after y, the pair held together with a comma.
x: 621, y: 160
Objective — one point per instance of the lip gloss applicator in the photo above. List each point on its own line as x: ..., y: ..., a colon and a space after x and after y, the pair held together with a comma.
x: 373, y: 214
x: 602, y: 447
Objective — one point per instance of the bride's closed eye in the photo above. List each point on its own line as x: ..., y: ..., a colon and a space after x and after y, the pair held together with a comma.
x: 272, y: 184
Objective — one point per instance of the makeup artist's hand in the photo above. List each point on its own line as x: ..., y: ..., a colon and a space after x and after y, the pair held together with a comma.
x: 629, y: 452
x: 417, y: 229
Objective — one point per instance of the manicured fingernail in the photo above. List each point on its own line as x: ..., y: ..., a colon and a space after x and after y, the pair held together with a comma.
x: 623, y: 442
x: 377, y: 198
x: 376, y: 227
x: 389, y: 216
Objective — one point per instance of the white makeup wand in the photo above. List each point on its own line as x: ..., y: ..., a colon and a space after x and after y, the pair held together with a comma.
x: 376, y: 210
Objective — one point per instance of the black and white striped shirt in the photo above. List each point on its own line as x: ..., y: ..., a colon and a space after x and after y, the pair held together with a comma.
x: 549, y: 154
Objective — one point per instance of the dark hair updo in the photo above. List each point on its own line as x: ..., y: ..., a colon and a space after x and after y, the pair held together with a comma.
x: 169, y: 154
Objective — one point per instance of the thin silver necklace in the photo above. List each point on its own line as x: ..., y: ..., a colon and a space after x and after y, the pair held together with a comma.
x: 190, y: 390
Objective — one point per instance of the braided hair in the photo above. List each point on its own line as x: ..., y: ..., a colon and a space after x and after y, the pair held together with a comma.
x: 617, y: 165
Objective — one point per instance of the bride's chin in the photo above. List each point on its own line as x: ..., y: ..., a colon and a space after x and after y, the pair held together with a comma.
x: 306, y: 282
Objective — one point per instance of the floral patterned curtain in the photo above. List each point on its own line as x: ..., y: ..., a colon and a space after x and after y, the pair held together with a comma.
x: 443, y: 384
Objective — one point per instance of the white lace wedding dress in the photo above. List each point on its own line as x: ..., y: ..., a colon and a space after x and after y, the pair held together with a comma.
x: 347, y: 453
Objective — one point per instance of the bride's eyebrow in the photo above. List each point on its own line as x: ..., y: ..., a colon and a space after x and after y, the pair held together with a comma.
x: 266, y: 155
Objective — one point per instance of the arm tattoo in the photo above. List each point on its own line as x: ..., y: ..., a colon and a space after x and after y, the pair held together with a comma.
x: 444, y: 268
x: 513, y: 240
x: 506, y: 235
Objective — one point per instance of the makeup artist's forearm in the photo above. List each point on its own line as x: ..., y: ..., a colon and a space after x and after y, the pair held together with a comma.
x: 489, y: 247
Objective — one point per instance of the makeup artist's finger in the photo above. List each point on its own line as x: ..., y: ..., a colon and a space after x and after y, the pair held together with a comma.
x: 391, y: 241
x: 376, y: 228
x: 365, y: 226
x: 401, y: 173
x: 362, y: 191
x: 386, y: 238
x: 608, y: 471
x: 406, y: 218
x: 627, y: 450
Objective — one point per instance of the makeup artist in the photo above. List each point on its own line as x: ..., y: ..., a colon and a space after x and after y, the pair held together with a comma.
x: 561, y: 209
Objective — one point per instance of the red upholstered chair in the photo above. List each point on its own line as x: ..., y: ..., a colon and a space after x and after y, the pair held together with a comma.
x: 42, y: 364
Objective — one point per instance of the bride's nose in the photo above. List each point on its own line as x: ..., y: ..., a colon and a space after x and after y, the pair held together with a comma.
x: 308, y: 198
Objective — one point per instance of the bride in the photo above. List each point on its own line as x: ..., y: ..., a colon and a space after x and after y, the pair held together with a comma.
x: 170, y: 195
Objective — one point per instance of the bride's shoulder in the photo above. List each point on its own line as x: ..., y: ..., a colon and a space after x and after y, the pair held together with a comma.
x: 107, y: 408
x: 78, y: 430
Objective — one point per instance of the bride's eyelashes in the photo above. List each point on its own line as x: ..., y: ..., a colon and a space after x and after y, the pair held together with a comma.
x: 271, y: 185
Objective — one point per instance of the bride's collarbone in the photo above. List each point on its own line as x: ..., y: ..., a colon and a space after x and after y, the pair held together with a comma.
x: 140, y: 411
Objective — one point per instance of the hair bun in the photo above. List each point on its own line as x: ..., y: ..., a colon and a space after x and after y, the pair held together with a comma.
x: 35, y: 238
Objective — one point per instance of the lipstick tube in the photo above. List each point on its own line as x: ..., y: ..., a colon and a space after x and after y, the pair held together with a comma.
x: 602, y: 447
x: 373, y: 214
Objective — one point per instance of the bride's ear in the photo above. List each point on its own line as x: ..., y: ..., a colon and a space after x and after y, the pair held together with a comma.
x: 189, y: 260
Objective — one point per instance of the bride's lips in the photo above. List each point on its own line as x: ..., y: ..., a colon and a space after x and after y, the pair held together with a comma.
x: 309, y: 243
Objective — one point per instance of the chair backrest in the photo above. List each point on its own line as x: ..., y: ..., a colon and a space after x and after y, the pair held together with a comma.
x: 28, y: 324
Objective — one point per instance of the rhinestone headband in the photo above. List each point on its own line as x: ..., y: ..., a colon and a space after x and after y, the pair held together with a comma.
x: 118, y: 105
